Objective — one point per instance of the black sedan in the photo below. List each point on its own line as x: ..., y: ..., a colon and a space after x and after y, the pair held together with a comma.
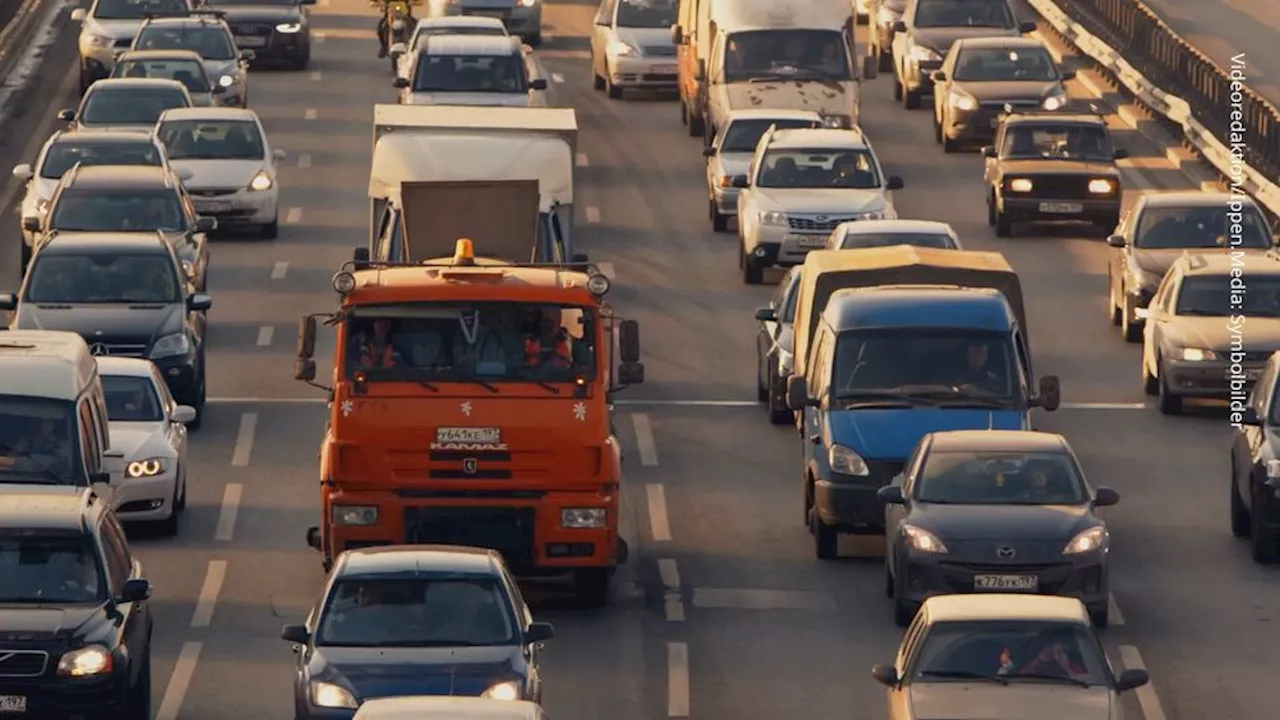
x: 773, y: 348
x: 1255, y: 467
x: 995, y: 511
x: 415, y: 620
x: 275, y: 30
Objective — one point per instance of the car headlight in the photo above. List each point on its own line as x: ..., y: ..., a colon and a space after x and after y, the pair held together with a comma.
x: 355, y: 514
x: 99, y: 41
x: 920, y: 53
x: 261, y: 181
x: 922, y: 540
x: 170, y: 345
x: 1195, y: 354
x: 328, y: 695
x: 226, y: 81
x: 772, y: 217
x: 837, y: 122
x: 1091, y: 540
x: 1055, y: 100
x: 1101, y: 186
x: 1020, y: 185
x: 582, y: 517
x: 503, y: 691
x: 846, y: 462
x: 961, y: 101
x: 150, y: 467
x: 288, y: 28
x: 86, y: 661
x: 618, y: 48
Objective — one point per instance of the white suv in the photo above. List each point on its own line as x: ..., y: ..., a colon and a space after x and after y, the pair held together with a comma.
x: 107, y: 29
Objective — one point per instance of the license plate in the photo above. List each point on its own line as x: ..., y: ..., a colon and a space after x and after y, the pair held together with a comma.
x: 1062, y: 208
x: 13, y: 703
x: 213, y: 207
x: 1006, y: 582
x: 501, y: 15
x: 664, y: 69
x: 468, y: 436
x: 250, y: 41
x: 811, y: 241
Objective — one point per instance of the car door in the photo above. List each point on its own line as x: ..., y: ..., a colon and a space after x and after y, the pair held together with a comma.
x: 175, y: 432
x: 896, y: 514
x: 818, y: 381
x: 901, y: 39
x: 900, y: 696
x: 1159, y: 314
x: 1121, y: 257
x: 601, y: 35
x: 532, y: 651
x: 121, y: 566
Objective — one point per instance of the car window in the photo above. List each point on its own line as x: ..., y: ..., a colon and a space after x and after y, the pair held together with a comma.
x: 1212, y: 296
x: 62, y: 156
x: 212, y: 140
x: 935, y: 364
x: 1015, y: 651
x: 963, y: 13
x: 138, y: 9
x: 103, y: 278
x: 788, y: 312
x: 470, y: 73
x: 786, y: 54
x: 210, y: 42
x: 39, y: 439
x: 869, y: 240
x: 131, y: 399
x: 1005, y: 64
x: 116, y: 550
x: 188, y: 72
x: 129, y: 106
x: 417, y: 612
x: 49, y: 568
x: 646, y: 14
x: 1202, y: 227
x: 743, y: 135
x: 960, y: 477
x: 117, y: 211
x: 817, y: 168
x: 1067, y: 141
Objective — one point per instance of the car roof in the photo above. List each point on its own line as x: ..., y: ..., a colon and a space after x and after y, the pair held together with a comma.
x: 1221, y: 263
x: 446, y: 708
x: 997, y: 441
x: 105, y: 137
x: 125, y: 366
x: 978, y: 43
x: 1004, y: 606
x: 46, y: 507
x: 1189, y: 198
x: 773, y: 114
x: 471, y: 21
x: 815, y: 138
x: 116, y: 177
x: 186, y: 21
x: 868, y: 227
x: 209, y: 113
x: 106, y: 243
x: 174, y: 54
x: 400, y: 560
x: 116, y: 84
x: 44, y: 364
x: 971, y: 308
x: 471, y: 45
x: 1054, y: 118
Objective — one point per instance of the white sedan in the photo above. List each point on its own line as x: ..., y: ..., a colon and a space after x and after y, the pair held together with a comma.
x: 884, y: 233
x: 447, y: 25
x: 148, y: 443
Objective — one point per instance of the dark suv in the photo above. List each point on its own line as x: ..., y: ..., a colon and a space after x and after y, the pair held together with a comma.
x: 75, y: 626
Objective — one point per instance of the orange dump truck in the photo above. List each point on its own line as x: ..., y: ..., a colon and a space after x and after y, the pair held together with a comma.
x: 471, y: 406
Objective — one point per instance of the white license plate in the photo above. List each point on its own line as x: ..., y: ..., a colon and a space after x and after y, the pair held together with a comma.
x: 664, y: 70
x: 250, y: 41
x: 469, y: 436
x: 13, y: 703
x: 213, y: 207
x: 811, y: 241
x: 1006, y: 582
x: 1062, y: 208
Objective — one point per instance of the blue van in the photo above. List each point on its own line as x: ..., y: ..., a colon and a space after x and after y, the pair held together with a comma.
x: 890, y: 364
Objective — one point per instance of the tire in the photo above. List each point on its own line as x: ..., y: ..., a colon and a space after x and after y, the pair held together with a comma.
x: 1262, y: 539
x: 684, y: 111
x: 591, y: 587
x: 1130, y: 330
x: 138, y: 704
x: 612, y: 91
x: 937, y: 129
x: 719, y: 221
x: 1240, y: 518
x: 777, y: 415
x: 1004, y: 226
x: 597, y: 83
x: 991, y: 209
x: 303, y: 61
x: 911, y: 99
x: 1115, y: 309
x: 271, y: 230
x: 168, y: 527
x: 949, y: 146
x: 1170, y: 404
x: 1150, y: 383
x: 886, y: 62
x: 199, y: 404
x: 24, y: 261
x: 762, y: 392
x: 181, y: 503
x: 1101, y: 616
x: 534, y: 40
x: 825, y: 537
x: 897, y: 88
x: 888, y: 583
x: 752, y: 274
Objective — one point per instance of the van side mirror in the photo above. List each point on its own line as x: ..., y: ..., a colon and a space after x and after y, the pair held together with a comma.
x: 631, y: 373
x: 740, y: 181
x: 295, y: 634
x: 206, y: 224
x: 885, y: 674
x: 538, y: 632
x: 708, y: 152
x: 900, y: 26
x: 1121, y: 153
x: 938, y: 76
x: 538, y: 84
x: 988, y: 151
x: 1105, y: 497
x: 134, y: 590
x: 893, y: 182
x: 400, y: 83
x: 1116, y: 241
x: 199, y: 302
x: 890, y: 494
x: 1131, y: 679
x: 67, y: 115
x: 1026, y: 27
x: 677, y: 35
x: 1050, y: 393
x: 629, y: 341
x: 31, y: 224
x: 798, y: 394
x: 8, y: 301
x: 767, y: 314
x: 304, y: 369
x: 1248, y: 418
x: 307, y: 336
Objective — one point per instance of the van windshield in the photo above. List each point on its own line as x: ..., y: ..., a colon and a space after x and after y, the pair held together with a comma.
x: 786, y: 55
x: 930, y: 366
x: 39, y: 441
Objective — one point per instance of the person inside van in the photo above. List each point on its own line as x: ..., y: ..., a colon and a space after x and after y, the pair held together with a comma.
x: 47, y: 440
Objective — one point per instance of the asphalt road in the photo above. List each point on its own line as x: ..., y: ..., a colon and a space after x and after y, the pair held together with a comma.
x: 724, y: 613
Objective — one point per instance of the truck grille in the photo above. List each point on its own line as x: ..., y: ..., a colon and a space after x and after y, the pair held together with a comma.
x: 508, y: 530
x: 478, y: 465
x: 817, y: 222
x: 23, y: 663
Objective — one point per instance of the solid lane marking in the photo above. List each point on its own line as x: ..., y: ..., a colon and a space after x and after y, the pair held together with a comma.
x: 644, y: 439
x: 227, y: 515
x: 672, y: 599
x: 320, y: 37
x: 659, y: 521
x: 761, y: 599
x: 1148, y: 700
x: 279, y: 270
x: 294, y: 216
x: 265, y: 333
x: 606, y: 269
x: 557, y: 77
x: 244, y: 440
x: 176, y: 691
x: 581, y: 160
x: 593, y: 214
x: 678, y: 680
x: 304, y: 160
x: 317, y: 76
x: 1113, y: 612
x: 310, y: 114
x: 1103, y: 406
x: 213, y: 579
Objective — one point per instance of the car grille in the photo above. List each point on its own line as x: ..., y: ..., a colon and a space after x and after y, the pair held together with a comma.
x: 23, y: 663
x: 999, y: 104
x: 508, y: 530
x: 252, y: 29
x: 221, y: 192
x: 817, y: 223
x: 100, y: 347
x: 1056, y: 186
x: 659, y: 51
x: 1255, y: 356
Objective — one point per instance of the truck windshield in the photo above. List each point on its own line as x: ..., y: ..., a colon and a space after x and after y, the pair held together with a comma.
x: 942, y: 366
x: 39, y: 441
x: 786, y: 55
x: 469, y: 341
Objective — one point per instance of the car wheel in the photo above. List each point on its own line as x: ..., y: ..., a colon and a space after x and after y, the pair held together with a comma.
x: 591, y: 587
x: 949, y: 146
x: 888, y: 582
x: 1170, y: 404
x: 613, y: 91
x: 762, y: 392
x: 752, y: 273
x: 910, y: 99
x: 199, y: 404
x: 1004, y: 226
x: 825, y: 537
x: 138, y: 703
x: 1150, y: 383
x: 897, y: 87
x: 886, y: 61
x: 1262, y: 539
x: 1130, y: 330
x: 991, y: 209
x: 1240, y: 520
x: 597, y: 82
x: 1114, y: 305
x: 181, y: 503
x: 719, y: 221
x: 271, y: 230
x: 168, y: 527
x: 534, y: 40
x: 684, y: 111
x: 779, y: 413
x: 304, y: 60
x: 937, y: 128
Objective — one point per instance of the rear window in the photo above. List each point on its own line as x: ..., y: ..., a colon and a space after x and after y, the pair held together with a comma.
x: 471, y: 73
x: 188, y: 72
x: 130, y: 106
x: 62, y: 156
x: 212, y: 42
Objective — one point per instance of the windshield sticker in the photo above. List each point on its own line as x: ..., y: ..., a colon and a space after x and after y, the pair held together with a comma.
x: 348, y: 407
x: 469, y: 319
x: 459, y: 438
x: 580, y: 411
x: 465, y: 408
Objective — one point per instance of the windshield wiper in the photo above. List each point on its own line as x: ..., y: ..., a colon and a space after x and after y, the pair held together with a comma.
x: 965, y: 675
x: 882, y: 396
x: 47, y: 472
x: 487, y: 386
x: 1050, y: 678
x: 426, y: 643
x: 427, y: 385
x: 970, y: 402
x: 544, y: 384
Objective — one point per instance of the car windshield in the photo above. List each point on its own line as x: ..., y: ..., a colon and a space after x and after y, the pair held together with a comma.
x: 964, y: 13
x: 131, y: 399
x: 211, y: 42
x: 138, y: 9
x: 212, y: 140
x: 221, y: 3
x: 646, y: 13
x: 188, y: 72
x: 418, y: 612
x: 470, y: 73
x: 1005, y: 65
x: 459, y: 342
x: 1202, y: 227
x: 742, y: 136
x: 129, y: 106
x: 786, y: 55
x: 1000, y: 478
x: 62, y: 156
x: 117, y: 211
x: 1216, y: 296
x: 38, y: 441
x: 1010, y: 651
x: 104, y: 278
x: 870, y: 240
x: 41, y: 567
x: 1068, y: 141
x: 844, y: 169
x: 928, y: 366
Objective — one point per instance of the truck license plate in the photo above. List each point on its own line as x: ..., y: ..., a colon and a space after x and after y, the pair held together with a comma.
x: 1006, y: 582
x: 1062, y: 208
x: 468, y: 436
x: 13, y: 703
x: 249, y: 41
x: 213, y: 207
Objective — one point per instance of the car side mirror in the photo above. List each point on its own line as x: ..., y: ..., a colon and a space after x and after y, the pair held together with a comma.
x: 31, y: 224
x: 1116, y: 241
x: 988, y: 151
x: 938, y: 76
x: 1026, y: 27
x: 1105, y: 497
x: 134, y: 590
x: 1131, y: 679
x: 629, y: 341
x: 184, y: 173
x: 206, y: 224
x: 78, y: 15
x: 1121, y: 153
x: 1249, y: 417
x: 767, y: 314
x: 397, y: 50
x: 23, y: 172
x: 740, y: 181
x: 538, y: 84
x: 1068, y: 74
x: 304, y: 369
x: 538, y: 632
x: 677, y: 35
x: 8, y: 301
x: 798, y: 394
x: 279, y: 155
x: 295, y: 634
x: 67, y: 115
x: 199, y: 302
x: 1050, y: 392
x: 893, y: 183
x: 885, y: 674
x: 900, y: 26
x: 631, y: 373
x: 248, y: 55
x: 890, y: 495
x: 400, y: 83
x: 183, y: 414
x: 708, y: 152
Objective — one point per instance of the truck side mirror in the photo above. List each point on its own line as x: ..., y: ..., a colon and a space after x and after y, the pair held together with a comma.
x: 798, y: 393
x: 629, y: 341
x: 631, y: 373
x: 360, y: 257
x: 1050, y: 393
x: 304, y: 369
x: 307, y: 336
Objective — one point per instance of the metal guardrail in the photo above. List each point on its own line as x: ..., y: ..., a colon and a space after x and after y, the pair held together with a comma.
x: 18, y: 34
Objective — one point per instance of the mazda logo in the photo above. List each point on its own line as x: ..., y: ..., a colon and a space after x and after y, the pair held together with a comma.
x: 98, y: 349
x: 1006, y: 552
x: 469, y: 466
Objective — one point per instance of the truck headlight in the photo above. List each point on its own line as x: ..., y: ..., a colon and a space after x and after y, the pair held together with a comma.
x: 772, y: 217
x: 583, y: 517
x: 355, y: 515
x: 328, y: 695
x: 1195, y: 354
x: 1020, y: 185
x: 503, y: 691
x: 847, y: 462
x: 1101, y: 186
x: 922, y: 540
x: 1091, y: 540
x: 86, y: 661
x: 150, y: 467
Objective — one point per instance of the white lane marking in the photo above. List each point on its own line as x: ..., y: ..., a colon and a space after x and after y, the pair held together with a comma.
x: 644, y: 439
x: 678, y: 680
x: 593, y: 214
x: 659, y: 522
x: 319, y: 37
x: 176, y: 691
x: 581, y: 160
x: 1113, y: 611
x: 227, y: 515
x: 279, y: 270
x: 557, y: 78
x: 213, y: 579
x: 606, y: 269
x: 1103, y: 406
x: 244, y: 440
x: 265, y: 333
x: 673, y: 600
x: 316, y: 76
x: 1147, y: 698
x: 304, y: 160
x: 294, y: 216
x: 310, y: 114
x: 761, y: 599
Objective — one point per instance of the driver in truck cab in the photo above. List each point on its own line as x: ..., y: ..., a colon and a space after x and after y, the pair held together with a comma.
x: 548, y: 344
x: 376, y: 348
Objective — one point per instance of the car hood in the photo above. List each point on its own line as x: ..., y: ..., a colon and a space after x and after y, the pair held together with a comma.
x: 1060, y: 167
x: 203, y: 99
x: 962, y: 523
x: 825, y: 97
x: 642, y: 38
x: 385, y: 672
x: 218, y: 174
x: 141, y: 323
x: 730, y: 164
x: 23, y: 622
x: 1214, y: 333
x: 260, y: 13
x: 475, y: 99
x: 137, y: 440
x: 1159, y: 261
x: 119, y: 29
x: 971, y: 701
x: 128, y: 127
x: 939, y: 40
x: 891, y: 434
x: 217, y: 68
x: 1008, y: 90
x: 821, y: 200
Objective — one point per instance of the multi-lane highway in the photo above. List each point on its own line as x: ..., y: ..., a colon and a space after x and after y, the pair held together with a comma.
x: 723, y: 613
x: 1223, y: 29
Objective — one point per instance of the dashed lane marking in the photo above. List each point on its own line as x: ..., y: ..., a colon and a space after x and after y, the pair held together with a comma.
x: 213, y: 579
x: 183, y: 671
x: 1113, y: 612
x: 557, y: 78
x: 593, y: 214
x: 761, y: 599
x: 304, y: 160
x: 279, y: 270
x: 244, y: 440
x: 310, y: 114
x: 607, y: 269
x: 678, y: 680
x: 316, y: 76
x: 1103, y: 406
x: 320, y: 37
x: 265, y: 334
x: 673, y: 600
x: 581, y: 160
x: 659, y: 522
x: 1148, y: 700
x: 227, y: 515
x: 644, y: 439
x: 294, y: 216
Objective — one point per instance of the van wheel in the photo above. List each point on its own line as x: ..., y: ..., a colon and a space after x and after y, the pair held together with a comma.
x: 597, y: 82
x: 897, y: 86
x: 886, y: 61
x: 910, y: 99
x: 1004, y: 226
x: 752, y: 274
x: 889, y: 590
x: 1101, y: 616
x: 591, y: 587
x: 719, y: 221
x: 825, y: 537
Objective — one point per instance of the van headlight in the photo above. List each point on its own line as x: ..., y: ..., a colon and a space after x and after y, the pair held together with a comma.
x: 150, y: 467
x: 1055, y: 100
x: 328, y: 695
x: 171, y: 345
x: 87, y: 661
x: 503, y: 691
x: 847, y: 462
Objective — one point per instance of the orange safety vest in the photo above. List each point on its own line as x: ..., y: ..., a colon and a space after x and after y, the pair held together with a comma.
x: 560, y: 354
x: 371, y: 357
